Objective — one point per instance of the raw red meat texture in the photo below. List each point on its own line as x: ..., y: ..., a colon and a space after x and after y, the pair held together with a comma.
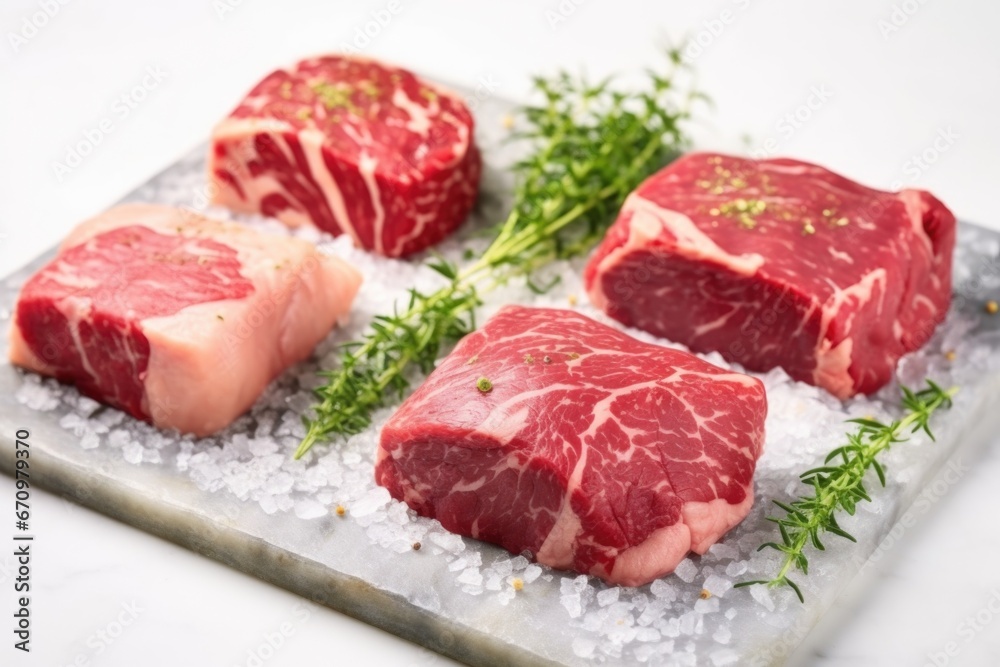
x: 176, y: 319
x: 592, y: 451
x: 779, y: 263
x: 351, y: 146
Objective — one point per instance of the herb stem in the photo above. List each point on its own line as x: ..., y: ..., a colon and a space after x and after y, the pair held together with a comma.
x: 590, y: 146
x: 841, y: 486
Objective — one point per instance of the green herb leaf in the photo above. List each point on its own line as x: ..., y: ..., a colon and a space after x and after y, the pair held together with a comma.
x: 841, y: 487
x: 588, y: 147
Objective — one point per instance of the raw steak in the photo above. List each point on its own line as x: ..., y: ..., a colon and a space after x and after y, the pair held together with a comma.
x: 592, y: 451
x: 354, y: 147
x: 779, y: 263
x: 176, y: 319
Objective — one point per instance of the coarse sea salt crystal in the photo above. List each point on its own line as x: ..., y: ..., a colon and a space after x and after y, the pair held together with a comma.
x: 74, y: 423
x: 34, y: 395
x: 722, y: 551
x: 647, y: 635
x: 471, y: 576
x: 686, y: 570
x: 723, y: 657
x: 449, y: 542
x: 531, y: 572
x: 494, y: 582
x: 279, y: 483
x: 572, y: 603
x: 663, y: 590
x: 736, y: 568
x: 375, y: 499
x: 763, y: 597
x: 644, y: 653
x: 121, y: 438
x: 309, y: 509
x: 132, y: 452
x: 688, y: 622
x: 86, y: 405
x: 268, y: 504
x: 504, y: 567
x: 671, y: 627
x: 575, y: 585
x: 652, y: 611
x: 518, y: 563
x: 717, y: 586
x: 608, y: 596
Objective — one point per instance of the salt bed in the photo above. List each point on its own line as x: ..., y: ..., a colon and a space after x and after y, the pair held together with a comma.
x: 690, y: 618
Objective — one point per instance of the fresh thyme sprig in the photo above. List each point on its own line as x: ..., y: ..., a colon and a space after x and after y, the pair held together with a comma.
x: 588, y: 146
x: 839, y: 483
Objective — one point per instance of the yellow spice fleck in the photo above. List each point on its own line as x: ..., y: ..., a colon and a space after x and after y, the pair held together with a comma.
x: 518, y: 584
x: 508, y: 121
x: 340, y: 510
x: 572, y: 299
x: 992, y: 307
x: 705, y: 594
x: 950, y: 355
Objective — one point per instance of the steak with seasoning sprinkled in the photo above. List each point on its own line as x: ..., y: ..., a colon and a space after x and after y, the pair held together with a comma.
x: 779, y: 263
x: 351, y: 146
x: 177, y: 319
x: 587, y: 448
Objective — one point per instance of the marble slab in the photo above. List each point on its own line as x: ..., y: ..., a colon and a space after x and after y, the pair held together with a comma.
x: 240, y: 499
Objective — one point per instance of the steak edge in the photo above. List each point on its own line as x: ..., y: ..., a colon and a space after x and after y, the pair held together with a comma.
x: 352, y: 146
x: 176, y: 319
x: 779, y: 263
x: 592, y: 451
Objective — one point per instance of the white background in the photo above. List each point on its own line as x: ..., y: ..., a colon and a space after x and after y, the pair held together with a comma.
x: 885, y: 79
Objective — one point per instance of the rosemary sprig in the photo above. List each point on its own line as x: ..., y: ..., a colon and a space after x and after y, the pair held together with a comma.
x: 588, y: 147
x: 839, y: 483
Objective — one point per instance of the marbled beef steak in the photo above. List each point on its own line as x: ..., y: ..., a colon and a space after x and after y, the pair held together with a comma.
x: 176, y: 319
x: 779, y: 263
x: 545, y: 431
x: 354, y: 147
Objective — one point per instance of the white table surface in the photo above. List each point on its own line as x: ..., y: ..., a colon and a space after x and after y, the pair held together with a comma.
x: 892, y: 77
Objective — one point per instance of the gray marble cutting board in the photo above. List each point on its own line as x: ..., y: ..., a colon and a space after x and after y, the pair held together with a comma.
x: 239, y: 498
